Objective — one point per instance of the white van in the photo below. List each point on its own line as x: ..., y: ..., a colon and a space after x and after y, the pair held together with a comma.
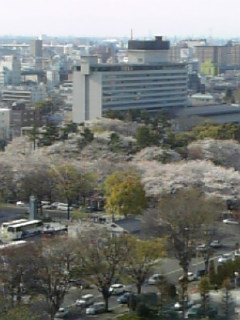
x: 63, y: 207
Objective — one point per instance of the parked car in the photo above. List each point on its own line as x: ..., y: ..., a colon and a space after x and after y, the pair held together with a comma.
x: 85, y: 301
x: 216, y: 244
x: 124, y: 298
x: 155, y: 278
x: 21, y: 204
x: 191, y: 277
x: 54, y: 205
x: 178, y: 305
x: 117, y: 289
x: 237, y: 254
x: 230, y: 221
x: 63, y: 207
x: 200, y: 273
x: 97, y: 307
x: 194, y: 311
x: 202, y: 247
x: 47, y: 206
x: 225, y: 257
x: 62, y: 313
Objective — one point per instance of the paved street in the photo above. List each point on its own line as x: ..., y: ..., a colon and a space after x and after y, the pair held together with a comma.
x: 228, y: 234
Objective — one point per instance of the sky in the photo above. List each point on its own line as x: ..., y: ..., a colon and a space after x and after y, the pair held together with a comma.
x: 116, y: 18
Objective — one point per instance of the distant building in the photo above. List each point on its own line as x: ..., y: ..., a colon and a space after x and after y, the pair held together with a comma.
x: 23, y: 116
x: 4, y: 123
x: 147, y: 82
x: 10, y: 70
x: 53, y: 78
x: 30, y: 94
x: 37, y: 52
x: 202, y: 99
x: 36, y: 48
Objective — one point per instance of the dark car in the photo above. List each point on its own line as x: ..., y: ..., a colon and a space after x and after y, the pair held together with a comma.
x: 124, y: 298
x: 200, y: 273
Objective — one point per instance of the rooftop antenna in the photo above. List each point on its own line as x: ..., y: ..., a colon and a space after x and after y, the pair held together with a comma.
x: 131, y: 34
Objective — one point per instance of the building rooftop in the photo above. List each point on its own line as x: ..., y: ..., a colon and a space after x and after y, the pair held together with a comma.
x: 209, y: 110
x: 157, y: 44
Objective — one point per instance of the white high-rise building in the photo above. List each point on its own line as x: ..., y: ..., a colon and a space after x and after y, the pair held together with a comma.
x: 147, y: 82
x: 53, y: 78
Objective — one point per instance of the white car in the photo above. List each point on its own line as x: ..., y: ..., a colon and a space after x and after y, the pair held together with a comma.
x: 225, y: 257
x: 20, y: 204
x: 191, y: 277
x: 237, y: 254
x: 85, y: 301
x: 230, y: 221
x: 178, y: 305
x: 155, y: 278
x: 117, y: 289
x: 97, y: 307
x: 63, y: 207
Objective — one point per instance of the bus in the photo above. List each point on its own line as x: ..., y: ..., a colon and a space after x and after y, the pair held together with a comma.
x: 25, y: 229
x: 6, y: 224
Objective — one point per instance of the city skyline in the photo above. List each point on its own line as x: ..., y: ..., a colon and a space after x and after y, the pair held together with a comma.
x: 215, y: 18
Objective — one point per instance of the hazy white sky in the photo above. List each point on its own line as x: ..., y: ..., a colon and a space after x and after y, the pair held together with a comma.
x: 109, y: 18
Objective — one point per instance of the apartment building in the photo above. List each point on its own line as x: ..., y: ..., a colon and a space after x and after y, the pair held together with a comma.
x: 148, y: 82
x: 30, y: 94
x: 22, y: 115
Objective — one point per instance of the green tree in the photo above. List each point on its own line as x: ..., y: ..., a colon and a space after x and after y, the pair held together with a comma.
x: 50, y: 135
x: 114, y: 141
x: 34, y: 135
x: 204, y: 288
x: 87, y: 135
x: 227, y: 270
x: 141, y: 258
x: 124, y: 194
x: 113, y: 114
x: 144, y: 137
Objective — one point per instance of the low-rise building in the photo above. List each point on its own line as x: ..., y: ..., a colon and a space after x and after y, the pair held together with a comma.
x: 32, y: 94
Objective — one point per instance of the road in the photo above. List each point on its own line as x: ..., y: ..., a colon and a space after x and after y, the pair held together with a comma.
x: 12, y: 212
x: 228, y: 234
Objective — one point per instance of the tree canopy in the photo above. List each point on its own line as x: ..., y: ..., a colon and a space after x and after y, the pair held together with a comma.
x: 124, y: 193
